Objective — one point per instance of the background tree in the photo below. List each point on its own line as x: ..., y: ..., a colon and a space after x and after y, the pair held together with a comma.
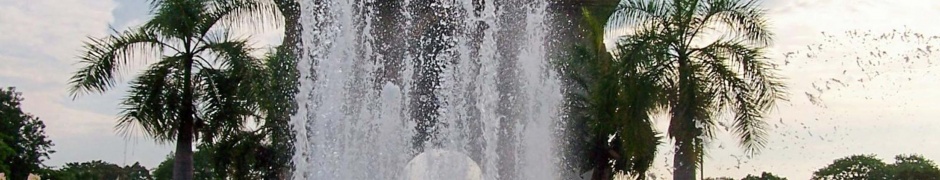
x: 910, y: 167
x: 98, y: 170
x: 704, y: 78
x: 180, y: 93
x: 763, y: 176
x: 282, y: 82
x: 278, y: 104
x: 137, y: 172
x: 23, y: 141
x: 243, y: 156
x: 204, y: 170
x: 93, y: 170
x: 869, y: 167
x: 855, y: 167
x: 719, y: 178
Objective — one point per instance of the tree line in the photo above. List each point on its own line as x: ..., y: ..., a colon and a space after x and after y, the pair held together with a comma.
x: 866, y: 167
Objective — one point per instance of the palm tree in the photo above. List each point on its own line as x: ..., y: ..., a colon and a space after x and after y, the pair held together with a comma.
x: 199, y: 69
x: 614, y: 95
x: 279, y: 84
x: 728, y: 75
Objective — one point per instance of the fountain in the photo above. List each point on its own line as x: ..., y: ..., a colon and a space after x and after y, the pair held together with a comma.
x: 447, y: 89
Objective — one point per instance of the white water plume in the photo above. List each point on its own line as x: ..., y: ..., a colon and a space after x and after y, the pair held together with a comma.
x: 384, y: 81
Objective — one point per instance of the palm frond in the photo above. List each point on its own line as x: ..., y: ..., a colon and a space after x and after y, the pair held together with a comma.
x: 244, y: 13
x: 231, y: 53
x: 224, y: 109
x: 154, y: 4
x: 639, y: 13
x: 748, y: 87
x: 740, y: 19
x: 233, y: 90
x: 103, y: 59
x: 153, y: 102
x: 750, y: 68
x: 176, y: 18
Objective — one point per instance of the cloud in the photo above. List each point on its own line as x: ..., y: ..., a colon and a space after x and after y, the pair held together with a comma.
x: 40, y: 41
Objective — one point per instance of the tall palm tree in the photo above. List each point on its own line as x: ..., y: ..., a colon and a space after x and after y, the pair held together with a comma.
x: 198, y: 67
x: 705, y: 78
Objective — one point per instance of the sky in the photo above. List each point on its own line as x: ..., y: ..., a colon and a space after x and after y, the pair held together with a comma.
x: 850, y: 93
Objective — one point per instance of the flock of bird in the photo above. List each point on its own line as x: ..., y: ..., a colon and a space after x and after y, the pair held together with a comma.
x: 851, y: 66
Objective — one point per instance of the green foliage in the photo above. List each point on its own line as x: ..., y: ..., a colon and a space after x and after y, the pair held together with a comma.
x: 239, y: 157
x: 278, y: 105
x: 243, y: 155
x: 719, y: 178
x: 910, y: 167
x: 98, y: 170
x: 855, y: 167
x: 137, y: 172
x: 23, y: 141
x: 202, y: 164
x: 868, y: 167
x: 763, y: 176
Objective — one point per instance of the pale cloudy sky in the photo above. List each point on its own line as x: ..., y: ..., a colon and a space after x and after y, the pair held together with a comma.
x: 40, y: 41
x: 885, y: 105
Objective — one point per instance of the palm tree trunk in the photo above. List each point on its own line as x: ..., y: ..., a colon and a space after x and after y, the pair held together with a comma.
x: 602, y: 167
x: 682, y: 127
x: 183, y: 163
x: 684, y: 159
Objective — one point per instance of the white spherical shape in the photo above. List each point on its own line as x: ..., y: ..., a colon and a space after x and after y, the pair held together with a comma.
x: 441, y: 164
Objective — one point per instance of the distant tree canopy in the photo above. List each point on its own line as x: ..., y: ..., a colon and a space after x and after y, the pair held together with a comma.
x: 913, y: 167
x: 203, y: 170
x: 242, y: 156
x: 719, y: 178
x: 23, y: 142
x: 868, y: 167
x: 763, y: 176
x: 99, y: 170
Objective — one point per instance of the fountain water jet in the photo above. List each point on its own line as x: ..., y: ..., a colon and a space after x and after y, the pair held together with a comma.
x: 385, y: 81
